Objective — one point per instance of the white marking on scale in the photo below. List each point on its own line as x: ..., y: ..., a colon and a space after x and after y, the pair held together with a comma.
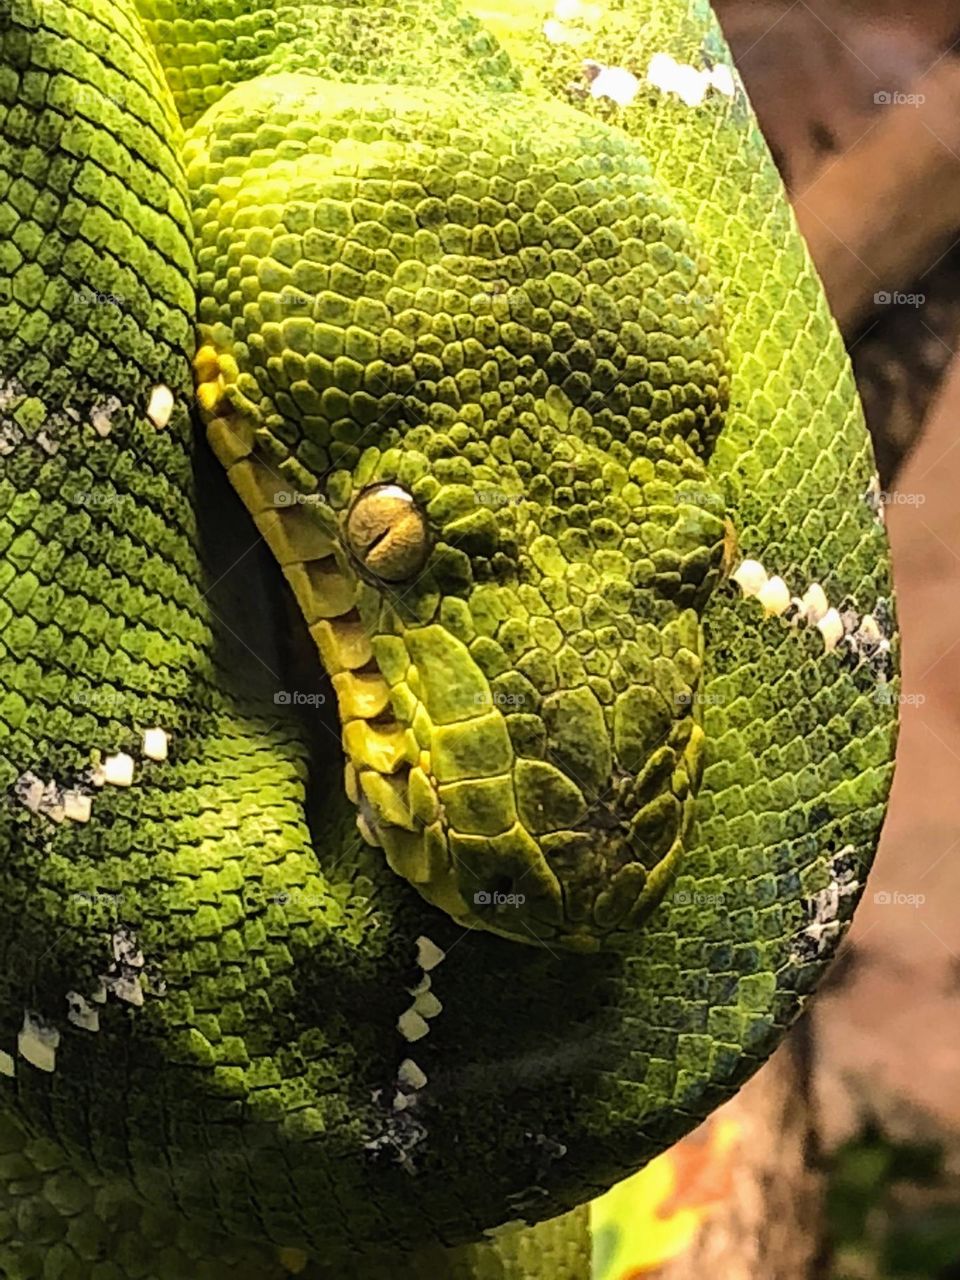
x: 750, y: 576
x: 101, y: 415
x: 774, y: 595
x: 813, y: 605
x: 37, y: 1042
x: 77, y: 806
x: 429, y: 954
x: 410, y: 1075
x: 616, y: 83
x: 689, y: 84
x: 427, y: 1005
x: 81, y: 1012
x: 411, y: 1025
x: 831, y: 628
x: 160, y: 408
x: 118, y: 770
x: 156, y: 744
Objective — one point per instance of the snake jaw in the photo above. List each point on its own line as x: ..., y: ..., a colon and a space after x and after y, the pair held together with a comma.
x: 484, y: 848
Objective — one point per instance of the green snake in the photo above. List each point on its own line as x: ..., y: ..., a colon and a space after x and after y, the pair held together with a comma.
x: 447, y: 662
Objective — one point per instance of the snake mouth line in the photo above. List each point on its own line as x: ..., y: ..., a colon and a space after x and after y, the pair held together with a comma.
x: 380, y: 750
x: 395, y: 797
x: 389, y: 775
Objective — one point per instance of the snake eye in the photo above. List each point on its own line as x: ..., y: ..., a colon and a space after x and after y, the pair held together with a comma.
x: 387, y: 532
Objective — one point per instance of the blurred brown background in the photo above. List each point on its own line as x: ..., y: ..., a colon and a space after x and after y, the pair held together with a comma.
x: 849, y: 1161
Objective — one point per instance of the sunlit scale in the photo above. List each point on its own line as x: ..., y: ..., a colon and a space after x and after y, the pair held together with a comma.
x: 484, y: 479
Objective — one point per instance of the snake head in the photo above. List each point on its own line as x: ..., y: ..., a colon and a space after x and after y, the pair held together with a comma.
x: 467, y: 379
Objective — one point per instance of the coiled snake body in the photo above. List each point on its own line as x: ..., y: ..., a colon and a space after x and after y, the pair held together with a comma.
x: 501, y: 330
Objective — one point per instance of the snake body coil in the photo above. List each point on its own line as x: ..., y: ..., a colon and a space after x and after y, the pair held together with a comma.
x: 501, y: 332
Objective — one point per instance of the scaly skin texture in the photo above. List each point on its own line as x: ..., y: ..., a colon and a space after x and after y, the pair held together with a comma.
x: 394, y: 247
x: 519, y: 717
